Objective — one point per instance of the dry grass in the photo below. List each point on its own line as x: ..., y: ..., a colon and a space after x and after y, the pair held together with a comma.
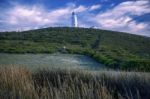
x: 20, y: 83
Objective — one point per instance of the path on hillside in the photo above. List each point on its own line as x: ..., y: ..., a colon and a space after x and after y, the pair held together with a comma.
x: 96, y: 44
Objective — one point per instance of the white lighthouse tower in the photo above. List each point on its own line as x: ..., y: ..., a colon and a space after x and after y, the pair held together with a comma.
x: 74, y: 20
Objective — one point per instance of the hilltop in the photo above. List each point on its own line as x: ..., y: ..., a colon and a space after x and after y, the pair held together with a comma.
x: 114, y: 49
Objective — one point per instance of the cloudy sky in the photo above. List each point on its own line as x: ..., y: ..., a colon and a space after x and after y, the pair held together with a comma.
x: 131, y: 16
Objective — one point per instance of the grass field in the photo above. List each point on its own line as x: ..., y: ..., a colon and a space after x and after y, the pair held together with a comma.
x: 117, y: 51
x: 114, y: 49
x: 20, y: 83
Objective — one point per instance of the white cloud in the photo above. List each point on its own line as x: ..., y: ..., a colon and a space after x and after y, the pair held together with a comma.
x: 94, y: 7
x: 28, y: 17
x: 120, y: 17
x: 80, y: 9
x: 33, y: 17
x: 22, y: 15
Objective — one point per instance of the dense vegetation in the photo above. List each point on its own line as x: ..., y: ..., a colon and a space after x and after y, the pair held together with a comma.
x: 114, y: 49
x: 20, y: 83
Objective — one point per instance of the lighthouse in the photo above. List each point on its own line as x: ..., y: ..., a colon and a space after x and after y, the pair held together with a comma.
x: 74, y: 19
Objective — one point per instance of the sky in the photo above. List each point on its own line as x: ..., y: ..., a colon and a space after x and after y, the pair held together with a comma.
x: 132, y: 16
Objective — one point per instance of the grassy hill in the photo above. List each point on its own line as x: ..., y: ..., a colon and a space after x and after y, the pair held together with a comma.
x: 114, y: 49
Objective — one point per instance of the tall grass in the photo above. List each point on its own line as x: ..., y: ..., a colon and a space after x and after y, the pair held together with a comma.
x: 21, y: 83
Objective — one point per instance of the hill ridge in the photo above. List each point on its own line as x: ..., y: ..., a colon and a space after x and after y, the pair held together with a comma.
x: 114, y: 49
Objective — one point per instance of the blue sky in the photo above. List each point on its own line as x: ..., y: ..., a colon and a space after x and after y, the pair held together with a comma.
x: 131, y: 16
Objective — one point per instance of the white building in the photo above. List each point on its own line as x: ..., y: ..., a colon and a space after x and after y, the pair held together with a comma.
x: 74, y: 20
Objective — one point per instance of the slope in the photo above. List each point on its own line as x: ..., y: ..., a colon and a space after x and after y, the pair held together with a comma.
x: 114, y: 49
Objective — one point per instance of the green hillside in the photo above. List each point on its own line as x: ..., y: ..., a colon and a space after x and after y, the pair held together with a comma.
x: 114, y: 49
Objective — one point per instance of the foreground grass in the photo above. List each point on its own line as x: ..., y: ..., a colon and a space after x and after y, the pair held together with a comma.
x: 21, y: 83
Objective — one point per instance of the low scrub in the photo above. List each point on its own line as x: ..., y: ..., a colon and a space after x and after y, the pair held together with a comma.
x: 113, y: 49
